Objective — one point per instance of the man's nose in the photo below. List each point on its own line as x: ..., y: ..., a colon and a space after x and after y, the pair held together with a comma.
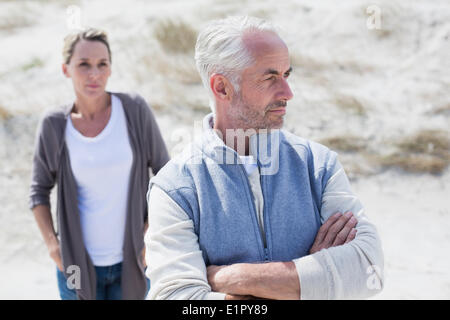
x: 285, y: 91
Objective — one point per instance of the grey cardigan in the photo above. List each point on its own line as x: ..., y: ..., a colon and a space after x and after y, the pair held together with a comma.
x: 51, y: 164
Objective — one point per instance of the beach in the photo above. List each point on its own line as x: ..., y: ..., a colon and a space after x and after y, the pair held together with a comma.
x: 370, y: 81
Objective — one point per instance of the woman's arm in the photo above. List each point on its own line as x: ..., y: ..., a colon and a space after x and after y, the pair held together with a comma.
x: 44, y: 220
x: 156, y: 152
x: 43, y: 177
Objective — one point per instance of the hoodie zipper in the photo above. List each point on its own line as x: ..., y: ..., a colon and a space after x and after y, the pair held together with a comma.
x: 262, y: 237
x: 266, y: 229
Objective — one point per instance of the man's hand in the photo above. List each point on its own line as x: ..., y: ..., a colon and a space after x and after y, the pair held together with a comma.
x: 224, y: 279
x: 272, y: 280
x: 337, y: 230
x: 277, y: 280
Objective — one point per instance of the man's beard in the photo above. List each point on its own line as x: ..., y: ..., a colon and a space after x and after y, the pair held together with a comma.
x: 251, y: 117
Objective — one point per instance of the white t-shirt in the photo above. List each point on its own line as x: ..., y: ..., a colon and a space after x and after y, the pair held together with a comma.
x: 101, y: 166
x: 251, y: 168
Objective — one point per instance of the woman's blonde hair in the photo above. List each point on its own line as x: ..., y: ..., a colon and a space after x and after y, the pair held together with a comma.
x: 90, y: 34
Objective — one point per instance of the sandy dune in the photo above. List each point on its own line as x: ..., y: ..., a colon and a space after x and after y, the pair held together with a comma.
x: 380, y: 97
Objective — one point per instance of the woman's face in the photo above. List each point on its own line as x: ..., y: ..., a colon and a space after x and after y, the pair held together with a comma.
x: 89, y: 68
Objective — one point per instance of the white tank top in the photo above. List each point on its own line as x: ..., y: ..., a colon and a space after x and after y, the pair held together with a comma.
x: 101, y: 166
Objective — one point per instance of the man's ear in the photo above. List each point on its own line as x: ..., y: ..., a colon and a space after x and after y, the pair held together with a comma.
x: 65, y: 70
x: 221, y: 87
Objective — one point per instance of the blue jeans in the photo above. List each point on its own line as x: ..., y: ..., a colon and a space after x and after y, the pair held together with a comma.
x: 108, y: 284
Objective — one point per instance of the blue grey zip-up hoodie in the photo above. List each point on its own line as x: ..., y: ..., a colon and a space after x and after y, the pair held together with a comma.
x: 209, y: 182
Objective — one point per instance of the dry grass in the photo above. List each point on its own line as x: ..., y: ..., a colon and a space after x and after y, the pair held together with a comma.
x: 382, y: 33
x: 414, y: 162
x: 198, y: 106
x: 14, y: 16
x: 346, y: 143
x: 441, y: 110
x: 13, y: 23
x: 350, y: 104
x: 157, y: 106
x: 315, y: 64
x: 175, y: 37
x: 356, y: 165
x: 262, y: 13
x: 4, y: 114
x: 64, y: 3
x: 426, y: 151
x: 185, y: 71
x: 34, y: 63
x: 432, y: 142
x: 181, y: 69
x: 306, y: 62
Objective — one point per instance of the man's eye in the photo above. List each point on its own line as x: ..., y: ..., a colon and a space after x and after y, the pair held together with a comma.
x: 83, y: 64
x: 271, y: 78
x: 287, y: 74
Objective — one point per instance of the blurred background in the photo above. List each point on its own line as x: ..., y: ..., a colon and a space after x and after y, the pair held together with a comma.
x: 371, y: 81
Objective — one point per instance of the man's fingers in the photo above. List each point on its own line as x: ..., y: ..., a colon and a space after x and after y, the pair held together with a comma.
x: 323, y: 230
x: 335, y: 229
x: 351, y: 235
x: 342, y: 236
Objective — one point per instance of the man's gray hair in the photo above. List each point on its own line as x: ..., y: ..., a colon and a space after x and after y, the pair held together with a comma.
x: 220, y: 49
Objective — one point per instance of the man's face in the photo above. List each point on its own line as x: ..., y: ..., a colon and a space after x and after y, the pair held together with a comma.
x: 264, y: 91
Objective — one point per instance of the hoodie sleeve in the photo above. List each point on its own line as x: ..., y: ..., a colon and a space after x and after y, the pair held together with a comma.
x: 43, y: 173
x: 350, y: 271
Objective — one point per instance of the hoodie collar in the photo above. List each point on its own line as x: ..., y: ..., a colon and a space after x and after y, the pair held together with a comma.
x: 264, y: 146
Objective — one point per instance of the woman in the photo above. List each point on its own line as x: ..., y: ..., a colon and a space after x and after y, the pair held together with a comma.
x: 98, y: 150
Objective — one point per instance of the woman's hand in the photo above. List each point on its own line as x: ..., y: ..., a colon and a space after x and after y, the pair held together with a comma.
x: 44, y: 220
x: 143, y: 258
x: 55, y: 253
x: 143, y: 250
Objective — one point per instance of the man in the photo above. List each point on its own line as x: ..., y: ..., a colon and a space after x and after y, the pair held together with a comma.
x: 250, y: 210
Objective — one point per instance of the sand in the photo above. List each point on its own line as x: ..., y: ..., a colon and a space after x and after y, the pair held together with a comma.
x: 373, y: 86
